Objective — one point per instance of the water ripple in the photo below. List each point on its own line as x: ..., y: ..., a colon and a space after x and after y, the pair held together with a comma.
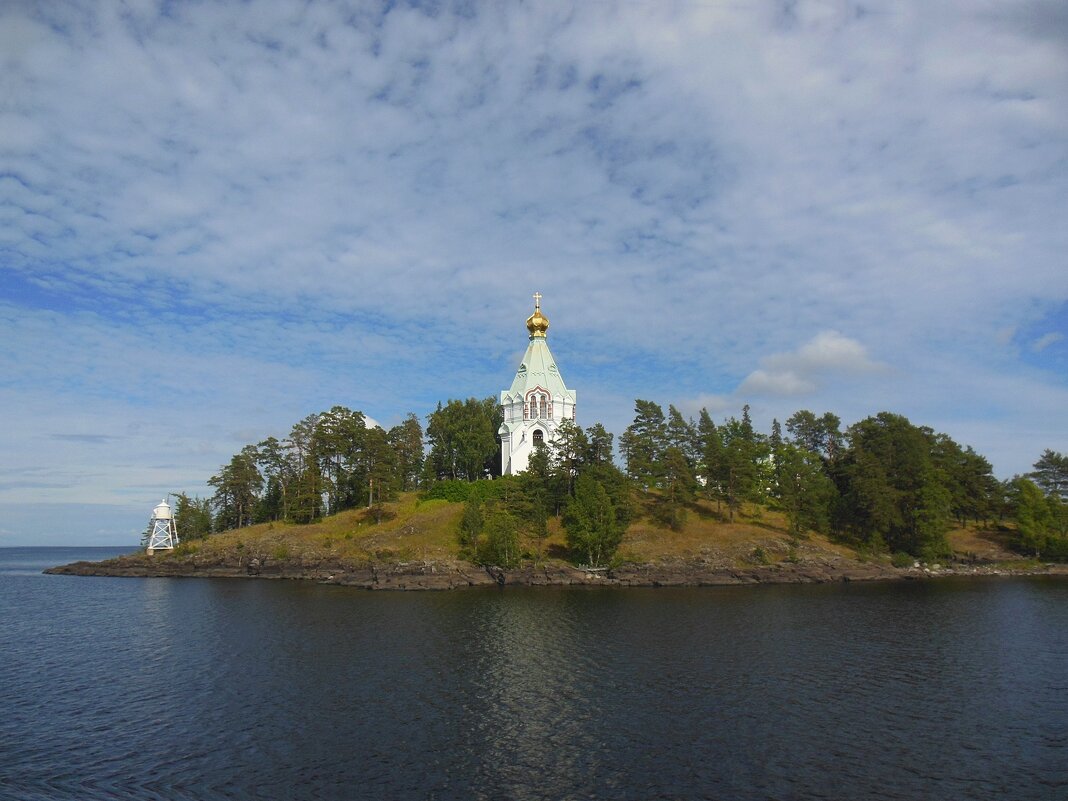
x: 171, y: 689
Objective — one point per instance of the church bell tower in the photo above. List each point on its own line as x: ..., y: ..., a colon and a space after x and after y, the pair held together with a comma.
x: 537, y: 400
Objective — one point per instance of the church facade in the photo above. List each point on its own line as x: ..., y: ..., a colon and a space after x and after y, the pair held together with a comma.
x: 537, y: 400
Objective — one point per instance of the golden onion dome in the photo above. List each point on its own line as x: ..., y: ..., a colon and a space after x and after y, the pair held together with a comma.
x: 537, y: 323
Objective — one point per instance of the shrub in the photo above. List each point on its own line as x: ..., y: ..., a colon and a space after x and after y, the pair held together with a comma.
x: 449, y: 490
x: 901, y: 559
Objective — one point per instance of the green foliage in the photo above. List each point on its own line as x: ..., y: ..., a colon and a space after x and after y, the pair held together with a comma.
x: 967, y: 477
x: 192, y: 517
x: 1051, y: 473
x: 463, y: 439
x: 500, y: 543
x: 901, y: 559
x: 568, y: 451
x: 1041, y: 521
x: 759, y: 556
x: 710, y: 468
x: 818, y: 435
x: 679, y: 486
x: 599, y: 445
x: 805, y: 492
x: 739, y: 463
x: 643, y: 443
x: 471, y: 524
x: 890, y: 487
x: 406, y: 440
x: 451, y: 490
x: 236, y: 488
x: 593, y: 530
x: 682, y: 434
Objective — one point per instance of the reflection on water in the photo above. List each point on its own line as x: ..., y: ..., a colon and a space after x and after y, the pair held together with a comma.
x: 237, y: 689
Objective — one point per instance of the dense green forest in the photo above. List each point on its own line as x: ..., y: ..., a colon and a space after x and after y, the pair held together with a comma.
x: 882, y: 485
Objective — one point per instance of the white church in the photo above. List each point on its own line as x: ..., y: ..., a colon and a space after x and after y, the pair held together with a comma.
x: 537, y: 400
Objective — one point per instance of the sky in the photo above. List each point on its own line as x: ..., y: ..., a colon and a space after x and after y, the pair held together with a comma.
x: 218, y: 218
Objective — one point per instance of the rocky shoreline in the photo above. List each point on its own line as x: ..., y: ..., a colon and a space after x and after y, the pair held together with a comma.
x: 455, y: 574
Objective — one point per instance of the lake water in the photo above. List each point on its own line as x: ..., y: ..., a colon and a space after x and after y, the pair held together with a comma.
x: 235, y: 689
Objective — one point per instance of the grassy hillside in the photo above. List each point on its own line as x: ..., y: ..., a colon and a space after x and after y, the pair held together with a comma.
x: 415, y: 530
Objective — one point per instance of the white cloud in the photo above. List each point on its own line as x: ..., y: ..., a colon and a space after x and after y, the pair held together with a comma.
x: 1046, y: 340
x: 799, y: 372
x: 296, y: 206
x: 781, y: 382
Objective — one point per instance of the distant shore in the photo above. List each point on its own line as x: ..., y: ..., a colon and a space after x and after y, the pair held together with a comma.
x: 456, y: 574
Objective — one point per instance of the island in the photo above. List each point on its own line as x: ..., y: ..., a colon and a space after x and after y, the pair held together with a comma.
x: 414, y: 543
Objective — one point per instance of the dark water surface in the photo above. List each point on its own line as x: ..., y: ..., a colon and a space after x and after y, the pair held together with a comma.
x: 223, y: 688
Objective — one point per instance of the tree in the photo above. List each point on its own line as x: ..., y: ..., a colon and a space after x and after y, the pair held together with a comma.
x: 277, y: 469
x: 643, y: 443
x: 678, y: 489
x: 338, y: 441
x: 406, y: 440
x: 711, y: 469
x: 463, y: 439
x: 1051, y: 473
x: 192, y: 517
x: 379, y: 465
x: 966, y: 475
x: 568, y: 450
x: 593, y: 530
x: 682, y: 434
x: 599, y: 445
x: 306, y: 481
x: 805, y: 491
x: 500, y: 546
x: 739, y: 462
x: 891, y: 492
x: 471, y: 523
x: 236, y: 488
x: 541, y: 489
x: 818, y: 435
x: 1034, y: 516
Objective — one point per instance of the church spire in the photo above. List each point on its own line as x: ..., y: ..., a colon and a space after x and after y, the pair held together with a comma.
x: 536, y: 403
x: 537, y: 323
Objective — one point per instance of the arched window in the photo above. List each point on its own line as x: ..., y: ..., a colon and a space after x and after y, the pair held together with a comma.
x: 539, y: 437
x: 544, y: 410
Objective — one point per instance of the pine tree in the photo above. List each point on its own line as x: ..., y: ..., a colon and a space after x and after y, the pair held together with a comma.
x: 678, y: 489
x: 599, y: 447
x: 643, y: 443
x: 712, y: 456
x: 593, y: 530
x: 1051, y: 473
x: 406, y: 440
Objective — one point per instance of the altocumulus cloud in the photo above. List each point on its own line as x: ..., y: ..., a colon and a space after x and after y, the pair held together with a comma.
x: 217, y: 218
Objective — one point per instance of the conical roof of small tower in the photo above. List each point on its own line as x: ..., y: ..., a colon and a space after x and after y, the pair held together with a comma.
x: 538, y: 368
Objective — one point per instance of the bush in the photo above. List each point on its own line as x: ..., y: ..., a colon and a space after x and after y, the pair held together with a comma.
x: 760, y: 557
x: 449, y: 490
x: 901, y: 559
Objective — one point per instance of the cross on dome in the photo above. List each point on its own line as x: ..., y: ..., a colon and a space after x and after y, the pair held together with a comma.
x: 537, y: 323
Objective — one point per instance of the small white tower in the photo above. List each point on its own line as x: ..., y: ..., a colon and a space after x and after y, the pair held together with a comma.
x: 164, y: 536
x: 537, y: 400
